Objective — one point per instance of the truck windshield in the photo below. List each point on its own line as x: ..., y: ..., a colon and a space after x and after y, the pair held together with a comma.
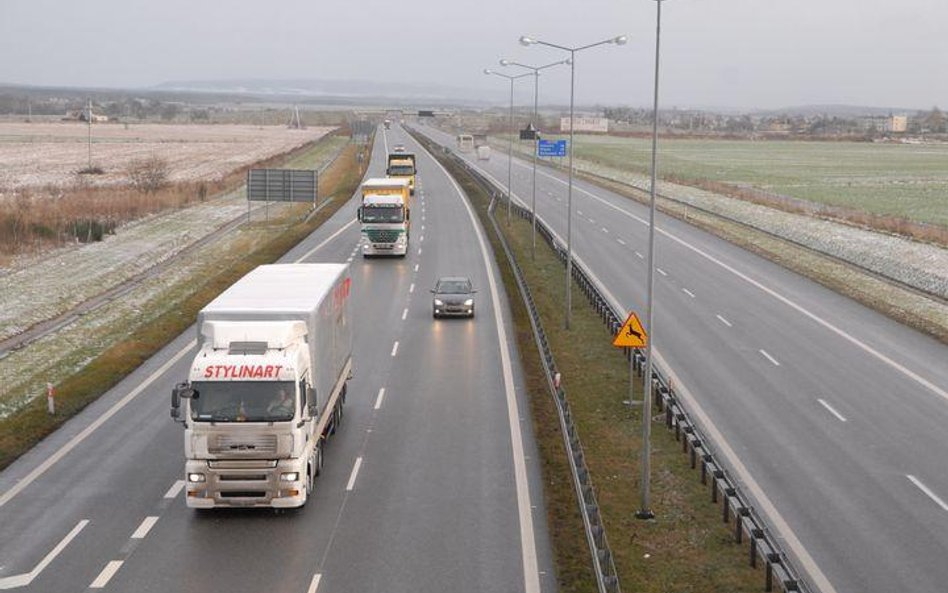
x: 380, y: 214
x: 243, y: 401
x: 401, y: 170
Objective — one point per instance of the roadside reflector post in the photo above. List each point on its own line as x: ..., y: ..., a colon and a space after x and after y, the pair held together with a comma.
x: 50, y: 399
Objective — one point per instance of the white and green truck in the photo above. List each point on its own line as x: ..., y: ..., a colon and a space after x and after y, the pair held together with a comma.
x: 385, y: 216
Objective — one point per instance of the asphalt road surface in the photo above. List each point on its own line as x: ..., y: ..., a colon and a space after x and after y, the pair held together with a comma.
x: 431, y: 483
x: 831, y: 415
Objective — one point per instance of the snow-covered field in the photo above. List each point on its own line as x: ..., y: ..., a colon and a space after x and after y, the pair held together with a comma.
x: 50, y: 154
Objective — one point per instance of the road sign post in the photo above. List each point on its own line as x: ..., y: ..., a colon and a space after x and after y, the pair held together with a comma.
x: 631, y: 335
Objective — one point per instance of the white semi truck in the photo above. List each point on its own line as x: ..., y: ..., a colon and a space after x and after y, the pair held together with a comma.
x: 267, y: 386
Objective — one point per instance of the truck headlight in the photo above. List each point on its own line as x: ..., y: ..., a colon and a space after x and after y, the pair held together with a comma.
x: 196, y: 478
x: 438, y: 303
x: 468, y: 302
x: 289, y: 476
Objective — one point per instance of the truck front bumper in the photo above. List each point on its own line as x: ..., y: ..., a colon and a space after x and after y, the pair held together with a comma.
x: 245, y: 484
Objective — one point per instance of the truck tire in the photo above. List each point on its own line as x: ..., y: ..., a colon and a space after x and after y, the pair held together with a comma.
x: 319, y: 460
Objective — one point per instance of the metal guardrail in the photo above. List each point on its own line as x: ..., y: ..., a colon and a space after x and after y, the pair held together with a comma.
x: 779, y: 573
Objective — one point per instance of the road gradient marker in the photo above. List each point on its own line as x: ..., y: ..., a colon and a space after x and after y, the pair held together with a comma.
x: 145, y: 527
x: 314, y: 584
x: 355, y: 472
x: 769, y: 357
x: 395, y: 348
x: 107, y: 573
x: 175, y: 489
x: 724, y: 321
x: 831, y: 409
x: 378, y: 400
x: 928, y: 492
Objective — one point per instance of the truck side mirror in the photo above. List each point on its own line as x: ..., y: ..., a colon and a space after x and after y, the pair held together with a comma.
x: 183, y: 391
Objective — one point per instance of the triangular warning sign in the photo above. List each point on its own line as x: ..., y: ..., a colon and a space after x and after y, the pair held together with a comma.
x: 632, y: 334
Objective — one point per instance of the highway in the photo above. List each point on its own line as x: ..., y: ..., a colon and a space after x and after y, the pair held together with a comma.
x: 829, y: 414
x: 430, y: 484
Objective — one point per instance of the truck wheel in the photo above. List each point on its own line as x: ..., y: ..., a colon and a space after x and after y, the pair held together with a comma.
x: 319, y: 460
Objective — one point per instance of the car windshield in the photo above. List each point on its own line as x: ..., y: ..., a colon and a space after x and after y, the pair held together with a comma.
x: 402, y: 170
x: 243, y: 401
x: 453, y: 287
x: 383, y: 214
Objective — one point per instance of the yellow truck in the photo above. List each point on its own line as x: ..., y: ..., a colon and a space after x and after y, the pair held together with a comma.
x: 402, y: 164
x: 384, y: 215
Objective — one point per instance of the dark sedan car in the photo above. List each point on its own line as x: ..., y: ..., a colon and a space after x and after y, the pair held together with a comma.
x: 454, y: 296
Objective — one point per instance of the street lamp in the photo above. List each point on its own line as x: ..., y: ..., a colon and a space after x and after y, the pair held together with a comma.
x: 536, y: 139
x: 620, y: 40
x: 510, y: 144
x: 645, y: 512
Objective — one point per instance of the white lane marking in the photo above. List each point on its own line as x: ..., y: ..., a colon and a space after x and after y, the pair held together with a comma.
x: 688, y: 292
x: 771, y: 292
x: 620, y: 241
x: 349, y: 259
x: 395, y: 348
x: 580, y: 212
x: 422, y: 227
x: 639, y: 255
x: 724, y: 321
x: 145, y: 527
x: 22, y: 580
x: 65, y: 449
x: 175, y: 489
x: 661, y: 271
x: 411, y: 288
x: 107, y: 573
x: 381, y: 396
x: 767, y: 506
x: 605, y: 230
x: 327, y: 240
x: 422, y: 217
x: 354, y: 474
x: 831, y: 409
x: 769, y: 357
x: 416, y: 267
x: 314, y: 584
x: 592, y: 221
x: 928, y: 492
x: 421, y: 238
x: 419, y: 251
x: 405, y: 314
x: 531, y: 575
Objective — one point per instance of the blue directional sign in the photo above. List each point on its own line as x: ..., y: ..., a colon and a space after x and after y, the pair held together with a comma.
x: 551, y: 148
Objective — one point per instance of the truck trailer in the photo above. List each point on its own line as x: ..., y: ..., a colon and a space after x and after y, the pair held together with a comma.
x: 385, y: 216
x: 267, y: 386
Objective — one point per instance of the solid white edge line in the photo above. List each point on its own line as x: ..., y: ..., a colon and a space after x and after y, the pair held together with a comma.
x: 74, y: 441
x: 831, y: 409
x: 928, y: 492
x: 395, y: 348
x: 355, y: 473
x: 107, y: 573
x: 378, y: 400
x: 766, y: 505
x: 314, y: 584
x: 724, y: 321
x: 531, y: 574
x: 405, y: 314
x: 175, y: 489
x: 22, y: 580
x: 327, y: 240
x: 769, y: 357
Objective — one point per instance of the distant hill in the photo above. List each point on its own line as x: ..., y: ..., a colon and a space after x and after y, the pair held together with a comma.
x: 355, y: 91
x: 842, y: 111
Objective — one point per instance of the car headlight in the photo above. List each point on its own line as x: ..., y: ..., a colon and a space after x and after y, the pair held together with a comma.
x: 468, y: 302
x: 438, y: 303
x: 289, y: 476
x: 196, y: 478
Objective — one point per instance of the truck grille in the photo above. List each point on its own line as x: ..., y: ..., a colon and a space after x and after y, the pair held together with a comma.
x: 242, y: 445
x: 383, y: 235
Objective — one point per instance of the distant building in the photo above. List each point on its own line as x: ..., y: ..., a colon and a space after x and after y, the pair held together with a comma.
x: 896, y: 123
x: 586, y: 124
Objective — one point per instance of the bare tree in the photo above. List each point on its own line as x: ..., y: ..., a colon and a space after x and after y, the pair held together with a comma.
x: 148, y: 175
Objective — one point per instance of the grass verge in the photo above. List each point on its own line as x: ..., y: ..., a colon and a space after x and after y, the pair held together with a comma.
x: 686, y: 548
x: 25, y: 428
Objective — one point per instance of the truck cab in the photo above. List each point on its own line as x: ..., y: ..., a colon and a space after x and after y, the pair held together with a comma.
x: 385, y: 216
x: 402, y: 165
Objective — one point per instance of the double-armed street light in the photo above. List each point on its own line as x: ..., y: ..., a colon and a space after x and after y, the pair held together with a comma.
x: 527, y: 41
x: 536, y: 139
x: 488, y: 71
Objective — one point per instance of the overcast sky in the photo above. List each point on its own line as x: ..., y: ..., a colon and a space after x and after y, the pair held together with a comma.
x: 725, y: 53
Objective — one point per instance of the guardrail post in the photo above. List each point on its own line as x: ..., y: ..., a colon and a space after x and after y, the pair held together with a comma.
x: 756, y: 534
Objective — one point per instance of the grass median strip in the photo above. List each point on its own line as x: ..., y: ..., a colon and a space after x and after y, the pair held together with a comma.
x: 161, y: 316
x: 687, y: 547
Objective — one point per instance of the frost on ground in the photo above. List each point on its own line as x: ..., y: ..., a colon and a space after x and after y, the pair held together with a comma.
x: 920, y: 265
x: 44, y: 155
